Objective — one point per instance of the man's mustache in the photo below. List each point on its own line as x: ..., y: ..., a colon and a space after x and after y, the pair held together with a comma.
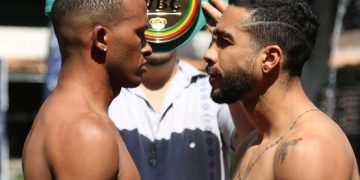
x: 212, y: 71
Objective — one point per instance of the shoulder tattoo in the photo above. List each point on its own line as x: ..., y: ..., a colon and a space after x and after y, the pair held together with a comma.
x: 284, y: 148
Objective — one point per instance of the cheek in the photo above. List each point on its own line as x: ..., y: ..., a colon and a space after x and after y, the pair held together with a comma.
x: 131, y: 52
x: 228, y: 61
x: 234, y: 59
x: 131, y: 49
x: 130, y: 43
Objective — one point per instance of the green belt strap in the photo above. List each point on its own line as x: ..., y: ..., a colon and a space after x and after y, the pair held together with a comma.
x: 48, y: 6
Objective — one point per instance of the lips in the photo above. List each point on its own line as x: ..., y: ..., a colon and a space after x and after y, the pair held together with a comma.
x: 212, y: 71
x: 214, y: 76
x: 214, y: 81
x: 143, y: 69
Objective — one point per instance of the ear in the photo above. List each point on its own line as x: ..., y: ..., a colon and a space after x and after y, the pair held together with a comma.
x: 99, y: 37
x: 271, y: 57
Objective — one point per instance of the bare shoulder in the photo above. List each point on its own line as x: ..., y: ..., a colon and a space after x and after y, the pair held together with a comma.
x: 315, y: 149
x: 83, y: 147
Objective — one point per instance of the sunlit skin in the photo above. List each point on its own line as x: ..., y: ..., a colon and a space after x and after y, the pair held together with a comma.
x: 292, y: 136
x: 240, y: 62
x: 126, y: 62
x: 72, y: 136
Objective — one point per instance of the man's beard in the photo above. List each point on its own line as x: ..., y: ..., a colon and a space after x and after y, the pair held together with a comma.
x: 234, y: 85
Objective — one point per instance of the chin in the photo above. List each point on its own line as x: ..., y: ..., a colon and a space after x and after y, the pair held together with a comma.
x: 132, y: 82
x: 216, y: 96
x: 216, y: 92
x: 219, y: 96
x: 132, y: 85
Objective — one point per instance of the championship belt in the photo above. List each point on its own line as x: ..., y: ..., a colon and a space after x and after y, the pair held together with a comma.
x: 173, y: 23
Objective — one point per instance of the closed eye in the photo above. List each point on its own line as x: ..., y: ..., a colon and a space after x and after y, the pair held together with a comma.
x: 141, y: 33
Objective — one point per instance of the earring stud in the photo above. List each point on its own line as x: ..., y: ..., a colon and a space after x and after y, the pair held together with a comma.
x: 105, y: 49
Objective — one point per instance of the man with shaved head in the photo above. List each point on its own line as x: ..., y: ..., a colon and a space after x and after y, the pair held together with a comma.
x: 103, y: 49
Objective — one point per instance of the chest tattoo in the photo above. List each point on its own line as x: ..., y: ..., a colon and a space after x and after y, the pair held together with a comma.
x: 284, y: 148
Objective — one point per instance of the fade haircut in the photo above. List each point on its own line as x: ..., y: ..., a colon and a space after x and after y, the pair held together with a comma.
x: 290, y: 24
x: 104, y: 11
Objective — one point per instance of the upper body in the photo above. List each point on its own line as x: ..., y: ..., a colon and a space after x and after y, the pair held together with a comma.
x: 72, y: 136
x: 257, y: 54
x: 172, y: 128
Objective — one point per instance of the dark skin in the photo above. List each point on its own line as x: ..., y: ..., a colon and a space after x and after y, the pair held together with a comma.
x: 72, y: 136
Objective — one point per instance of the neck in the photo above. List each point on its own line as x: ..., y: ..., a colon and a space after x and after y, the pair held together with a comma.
x: 83, y: 76
x: 274, y: 111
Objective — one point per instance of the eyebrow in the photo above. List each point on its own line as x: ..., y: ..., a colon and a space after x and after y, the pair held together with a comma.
x: 222, y: 33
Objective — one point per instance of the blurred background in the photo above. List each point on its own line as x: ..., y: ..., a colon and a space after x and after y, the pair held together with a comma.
x: 29, y: 65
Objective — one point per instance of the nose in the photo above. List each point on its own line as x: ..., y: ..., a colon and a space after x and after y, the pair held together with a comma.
x: 146, y: 50
x: 211, y: 55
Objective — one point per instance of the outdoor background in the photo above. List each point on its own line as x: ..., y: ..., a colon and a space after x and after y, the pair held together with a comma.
x: 331, y: 78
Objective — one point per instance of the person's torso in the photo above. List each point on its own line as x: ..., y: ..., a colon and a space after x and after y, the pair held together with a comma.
x: 183, y: 141
x: 266, y: 160
x: 42, y: 155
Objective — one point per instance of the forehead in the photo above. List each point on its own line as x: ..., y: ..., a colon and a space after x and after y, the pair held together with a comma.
x: 134, y: 9
x: 233, y: 17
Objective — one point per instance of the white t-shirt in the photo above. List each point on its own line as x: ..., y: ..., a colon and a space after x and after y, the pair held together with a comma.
x: 186, y: 140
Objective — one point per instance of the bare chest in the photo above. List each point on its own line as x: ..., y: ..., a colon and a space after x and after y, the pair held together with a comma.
x: 256, y: 163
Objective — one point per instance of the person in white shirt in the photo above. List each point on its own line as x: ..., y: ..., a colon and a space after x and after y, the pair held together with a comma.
x: 170, y: 125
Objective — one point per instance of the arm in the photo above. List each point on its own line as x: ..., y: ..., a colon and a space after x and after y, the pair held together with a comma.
x: 84, y: 150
